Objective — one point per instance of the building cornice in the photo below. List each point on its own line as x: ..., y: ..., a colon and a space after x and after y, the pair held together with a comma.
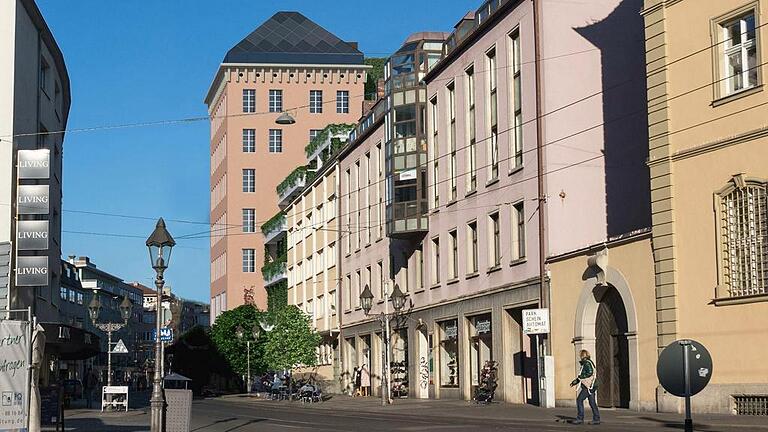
x: 473, y: 37
x: 660, y: 5
x: 722, y: 143
x: 630, y: 237
x: 214, y: 89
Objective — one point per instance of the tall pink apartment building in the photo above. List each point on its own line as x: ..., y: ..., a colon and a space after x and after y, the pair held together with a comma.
x: 290, y: 65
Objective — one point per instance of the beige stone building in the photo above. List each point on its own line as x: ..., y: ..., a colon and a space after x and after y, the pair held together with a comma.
x: 311, y: 233
x: 709, y: 177
x: 288, y: 64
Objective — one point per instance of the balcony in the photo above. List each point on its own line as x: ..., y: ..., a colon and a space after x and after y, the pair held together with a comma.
x: 274, y: 272
x: 328, y: 142
x: 292, y: 186
x: 274, y: 229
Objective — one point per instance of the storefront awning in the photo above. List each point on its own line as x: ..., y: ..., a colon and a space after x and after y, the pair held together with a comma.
x: 70, y: 343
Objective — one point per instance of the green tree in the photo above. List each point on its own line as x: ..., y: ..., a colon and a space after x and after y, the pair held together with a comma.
x: 234, y: 349
x: 374, y: 75
x: 292, y: 340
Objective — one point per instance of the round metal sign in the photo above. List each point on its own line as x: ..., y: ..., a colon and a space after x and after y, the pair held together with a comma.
x: 671, y: 367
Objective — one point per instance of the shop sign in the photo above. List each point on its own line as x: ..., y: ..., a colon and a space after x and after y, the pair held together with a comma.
x: 31, y: 271
x: 33, y: 199
x: 536, y: 321
x: 451, y: 330
x: 32, y: 235
x: 408, y: 175
x: 483, y: 326
x: 14, y: 349
x: 34, y: 164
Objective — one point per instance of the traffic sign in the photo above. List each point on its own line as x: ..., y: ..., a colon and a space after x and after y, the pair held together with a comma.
x: 166, y: 334
x: 120, y: 348
x: 536, y: 321
x: 671, y: 367
x: 684, y: 369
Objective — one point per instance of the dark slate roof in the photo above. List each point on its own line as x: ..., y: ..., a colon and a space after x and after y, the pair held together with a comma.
x: 292, y: 38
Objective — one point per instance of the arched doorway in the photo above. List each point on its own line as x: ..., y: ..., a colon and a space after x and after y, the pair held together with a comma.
x: 612, y: 350
x: 606, y: 326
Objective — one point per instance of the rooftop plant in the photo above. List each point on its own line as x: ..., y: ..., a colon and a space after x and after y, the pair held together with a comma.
x: 292, y: 180
x: 275, y: 222
x: 320, y: 138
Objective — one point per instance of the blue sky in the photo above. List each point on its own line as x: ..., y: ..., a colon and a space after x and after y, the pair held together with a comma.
x: 133, y: 62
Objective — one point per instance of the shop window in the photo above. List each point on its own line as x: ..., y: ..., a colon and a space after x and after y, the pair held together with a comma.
x: 480, y: 345
x: 449, y: 354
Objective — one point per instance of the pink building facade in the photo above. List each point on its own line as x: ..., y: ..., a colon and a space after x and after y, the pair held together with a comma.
x: 260, y: 78
x: 532, y: 151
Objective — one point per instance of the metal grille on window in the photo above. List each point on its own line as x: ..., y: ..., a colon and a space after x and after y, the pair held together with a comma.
x: 745, y: 240
x: 751, y: 405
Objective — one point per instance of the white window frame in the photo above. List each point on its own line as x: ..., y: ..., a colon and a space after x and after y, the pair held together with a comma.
x: 275, y: 100
x: 249, y: 220
x: 315, y: 101
x: 741, y: 49
x: 249, y: 140
x: 249, y: 180
x: 249, y: 260
x: 249, y: 100
x: 275, y: 140
x: 342, y: 101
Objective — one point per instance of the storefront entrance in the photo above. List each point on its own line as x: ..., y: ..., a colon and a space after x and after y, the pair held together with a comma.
x: 612, y: 352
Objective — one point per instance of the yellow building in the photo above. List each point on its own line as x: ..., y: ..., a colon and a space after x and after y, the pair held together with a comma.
x: 708, y: 160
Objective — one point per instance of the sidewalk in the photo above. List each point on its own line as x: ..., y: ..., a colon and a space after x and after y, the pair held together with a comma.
x: 504, y: 412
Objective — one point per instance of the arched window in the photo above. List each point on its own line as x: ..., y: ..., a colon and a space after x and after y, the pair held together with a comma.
x: 744, y: 238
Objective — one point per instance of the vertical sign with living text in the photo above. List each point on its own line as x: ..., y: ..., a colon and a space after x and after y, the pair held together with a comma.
x: 32, y: 226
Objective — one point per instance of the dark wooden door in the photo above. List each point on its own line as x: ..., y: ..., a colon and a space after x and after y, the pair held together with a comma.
x: 612, y: 353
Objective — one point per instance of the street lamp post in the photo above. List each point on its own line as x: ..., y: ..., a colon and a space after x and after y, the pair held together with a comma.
x: 398, y: 301
x: 240, y: 335
x: 160, y: 245
x: 94, y: 309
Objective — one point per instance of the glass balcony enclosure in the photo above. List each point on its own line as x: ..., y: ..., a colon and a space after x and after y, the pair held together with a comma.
x: 406, y: 149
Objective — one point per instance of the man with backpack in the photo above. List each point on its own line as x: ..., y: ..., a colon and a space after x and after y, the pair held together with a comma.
x: 587, y: 382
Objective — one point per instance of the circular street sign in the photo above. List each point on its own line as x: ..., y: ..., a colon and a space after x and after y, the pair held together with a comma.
x: 670, y: 368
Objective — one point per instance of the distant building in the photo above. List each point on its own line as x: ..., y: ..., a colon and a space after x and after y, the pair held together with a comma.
x: 111, y: 291
x: 288, y: 64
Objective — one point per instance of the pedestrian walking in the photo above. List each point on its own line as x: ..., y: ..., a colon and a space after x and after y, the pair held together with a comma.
x: 357, y: 380
x: 587, y: 382
x: 365, y: 380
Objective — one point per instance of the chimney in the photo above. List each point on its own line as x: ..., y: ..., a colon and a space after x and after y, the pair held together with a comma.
x: 380, y: 88
x: 353, y: 44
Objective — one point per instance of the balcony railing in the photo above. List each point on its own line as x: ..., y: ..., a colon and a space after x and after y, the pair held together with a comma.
x: 274, y: 272
x: 332, y: 138
x: 274, y: 229
x: 292, y: 185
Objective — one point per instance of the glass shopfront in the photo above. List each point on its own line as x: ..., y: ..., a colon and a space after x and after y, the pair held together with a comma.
x: 449, y: 354
x: 480, y: 344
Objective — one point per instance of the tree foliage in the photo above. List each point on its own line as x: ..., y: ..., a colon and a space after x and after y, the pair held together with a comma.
x: 292, y: 341
x: 234, y: 349
x: 374, y: 75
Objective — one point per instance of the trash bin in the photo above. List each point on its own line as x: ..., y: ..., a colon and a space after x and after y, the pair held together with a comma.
x: 178, y: 401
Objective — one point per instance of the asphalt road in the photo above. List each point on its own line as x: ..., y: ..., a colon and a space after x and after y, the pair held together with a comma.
x: 222, y: 415
x: 343, y: 414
